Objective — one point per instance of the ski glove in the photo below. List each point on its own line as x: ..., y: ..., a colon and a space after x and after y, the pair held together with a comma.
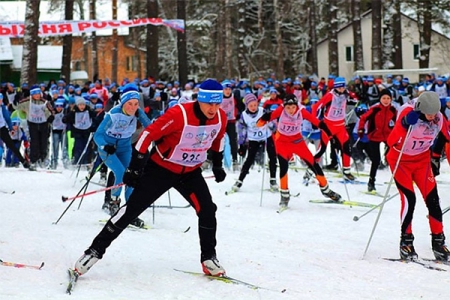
x: 50, y: 119
x: 361, y: 133
x: 131, y: 177
x: 242, y: 150
x: 435, y: 165
x: 110, y: 149
x: 412, y: 117
x: 219, y: 173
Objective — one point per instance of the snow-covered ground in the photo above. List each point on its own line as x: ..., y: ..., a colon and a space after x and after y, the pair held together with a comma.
x: 313, y: 251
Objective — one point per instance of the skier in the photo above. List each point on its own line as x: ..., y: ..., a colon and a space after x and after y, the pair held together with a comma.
x: 380, y: 119
x: 333, y: 106
x: 252, y: 138
x: 289, y: 141
x: 182, y: 135
x: 39, y: 115
x: 113, y: 140
x: 58, y: 132
x: 425, y: 122
x: 229, y: 105
x: 5, y: 123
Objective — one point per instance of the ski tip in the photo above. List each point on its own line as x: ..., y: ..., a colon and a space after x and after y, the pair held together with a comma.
x: 187, y: 229
x: 355, y: 218
x: 283, y: 290
x: 13, y: 192
x: 42, y: 265
x: 64, y: 198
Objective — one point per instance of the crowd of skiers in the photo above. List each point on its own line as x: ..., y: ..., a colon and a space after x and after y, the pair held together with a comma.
x: 117, y: 125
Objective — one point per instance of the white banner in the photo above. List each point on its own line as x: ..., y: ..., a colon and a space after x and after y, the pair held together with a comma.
x: 52, y: 28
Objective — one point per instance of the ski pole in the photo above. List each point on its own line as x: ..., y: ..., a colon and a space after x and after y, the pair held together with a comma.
x: 445, y: 210
x: 91, y: 175
x: 65, y: 199
x: 82, y: 155
x: 262, y: 181
x: 342, y: 171
x: 387, y: 191
x: 356, y: 218
x: 356, y: 143
x: 68, y: 206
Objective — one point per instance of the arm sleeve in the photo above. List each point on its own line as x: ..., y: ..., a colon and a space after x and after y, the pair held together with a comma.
x: 99, y: 135
x: 308, y: 116
x: 142, y: 117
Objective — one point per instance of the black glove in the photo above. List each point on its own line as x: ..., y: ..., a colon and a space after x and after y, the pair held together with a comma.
x: 219, y: 173
x: 435, y: 165
x: 242, y: 150
x: 110, y: 149
x: 50, y: 119
x: 131, y: 177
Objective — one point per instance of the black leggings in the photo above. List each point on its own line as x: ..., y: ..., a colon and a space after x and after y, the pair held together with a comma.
x: 253, y: 148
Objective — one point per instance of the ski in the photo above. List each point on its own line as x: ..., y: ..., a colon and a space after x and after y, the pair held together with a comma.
x: 73, y: 278
x: 7, y: 192
x: 282, y: 209
x: 342, y: 202
x: 437, y: 261
x: 130, y: 226
x: 418, y: 262
x: 228, y: 279
x: 171, y: 206
x: 16, y: 265
x: 352, y: 182
x: 227, y: 193
x: 374, y: 193
x: 339, y: 175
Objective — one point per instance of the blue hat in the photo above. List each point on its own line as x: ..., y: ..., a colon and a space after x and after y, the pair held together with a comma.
x: 172, y: 103
x: 98, y: 105
x: 176, y: 82
x: 127, y: 96
x: 145, y: 81
x: 405, y: 80
x: 276, y: 82
x: 71, y: 100
x: 331, y: 76
x: 226, y: 84
x: 93, y: 96
x: 60, y: 102
x: 273, y: 91
x: 369, y: 79
x: 314, y: 99
x: 129, y: 87
x: 92, y: 85
x: 85, y: 96
x: 447, y: 99
x: 15, y: 120
x: 24, y: 85
x: 53, y: 86
x: 339, y: 82
x: 42, y: 85
x: 35, y: 90
x: 313, y: 84
x: 78, y: 89
x: 284, y: 81
x: 210, y: 91
x: 297, y: 82
x: 389, y: 76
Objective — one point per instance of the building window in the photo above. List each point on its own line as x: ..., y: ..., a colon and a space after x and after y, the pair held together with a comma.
x: 349, y: 54
x: 416, y: 51
x: 77, y: 65
x: 131, y: 63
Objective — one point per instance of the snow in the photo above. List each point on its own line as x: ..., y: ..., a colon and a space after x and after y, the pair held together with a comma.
x: 314, y: 251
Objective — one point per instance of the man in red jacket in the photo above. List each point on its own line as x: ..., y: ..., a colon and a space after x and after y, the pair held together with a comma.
x: 182, y: 137
x: 410, y: 152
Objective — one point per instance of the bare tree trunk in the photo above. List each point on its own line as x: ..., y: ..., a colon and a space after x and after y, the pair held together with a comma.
x: 313, y: 60
x: 67, y: 43
x: 279, y: 39
x: 242, y: 33
x: 30, y: 42
x: 93, y: 16
x: 115, y: 48
x: 181, y: 44
x: 135, y: 37
x: 260, y: 17
x: 357, y: 36
x: 424, y: 21
x: 219, y: 38
x: 152, y: 40
x: 388, y: 36
x: 86, y: 60
x: 376, y: 34
x: 333, y: 51
x: 397, y: 26
x: 228, y: 40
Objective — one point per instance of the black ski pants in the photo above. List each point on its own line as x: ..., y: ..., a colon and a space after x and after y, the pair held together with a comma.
x: 6, y: 138
x: 154, y: 183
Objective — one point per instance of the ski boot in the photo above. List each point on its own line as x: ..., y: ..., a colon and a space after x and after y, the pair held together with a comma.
x: 307, y: 177
x: 331, y: 167
x: 211, y: 266
x: 86, y: 261
x: 326, y: 191
x: 347, y: 175
x: 371, y: 186
x: 32, y: 167
x: 138, y: 223
x: 235, y: 166
x: 273, y: 184
x: 440, y: 250
x: 26, y: 164
x: 407, y: 251
x: 285, y: 197
x: 114, y: 205
x: 237, y: 185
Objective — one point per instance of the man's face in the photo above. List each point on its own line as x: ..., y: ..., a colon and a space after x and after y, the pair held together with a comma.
x: 209, y: 109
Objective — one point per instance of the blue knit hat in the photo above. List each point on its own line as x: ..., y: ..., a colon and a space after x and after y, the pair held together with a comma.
x: 128, y: 96
x: 210, y: 91
x: 339, y: 82
x: 35, y: 89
